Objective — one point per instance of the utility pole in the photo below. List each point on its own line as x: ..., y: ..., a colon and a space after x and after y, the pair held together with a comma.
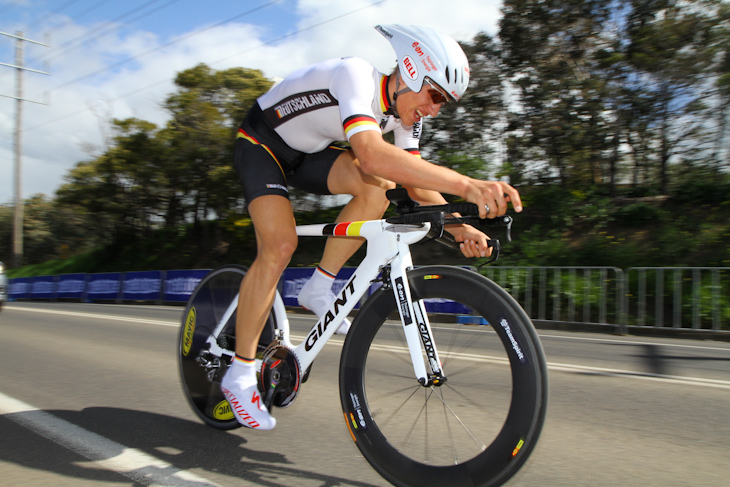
x: 17, y: 142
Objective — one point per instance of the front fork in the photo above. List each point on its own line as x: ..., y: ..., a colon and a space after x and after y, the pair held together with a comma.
x: 416, y: 325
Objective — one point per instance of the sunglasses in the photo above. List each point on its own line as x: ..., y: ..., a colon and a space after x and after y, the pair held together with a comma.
x: 437, y: 96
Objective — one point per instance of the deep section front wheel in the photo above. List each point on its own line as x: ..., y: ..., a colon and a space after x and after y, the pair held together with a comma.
x: 478, y: 426
x: 201, y: 371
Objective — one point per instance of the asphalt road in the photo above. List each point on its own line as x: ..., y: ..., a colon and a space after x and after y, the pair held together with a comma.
x: 90, y: 395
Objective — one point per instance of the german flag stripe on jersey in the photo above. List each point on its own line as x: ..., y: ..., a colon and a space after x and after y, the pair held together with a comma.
x: 355, y: 122
x: 243, y: 135
x: 383, y: 93
x: 414, y: 152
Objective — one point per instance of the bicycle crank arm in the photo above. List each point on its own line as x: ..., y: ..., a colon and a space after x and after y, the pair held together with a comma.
x: 269, y: 399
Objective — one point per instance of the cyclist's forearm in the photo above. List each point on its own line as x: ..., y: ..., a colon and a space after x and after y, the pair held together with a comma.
x: 379, y: 158
x: 412, y: 171
x: 425, y: 196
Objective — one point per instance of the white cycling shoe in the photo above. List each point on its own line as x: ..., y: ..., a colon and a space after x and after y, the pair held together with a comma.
x: 319, y: 303
x: 246, y: 401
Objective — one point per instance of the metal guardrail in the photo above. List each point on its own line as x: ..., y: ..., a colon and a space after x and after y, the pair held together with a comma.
x: 590, y: 295
x: 679, y: 298
x: 695, y: 298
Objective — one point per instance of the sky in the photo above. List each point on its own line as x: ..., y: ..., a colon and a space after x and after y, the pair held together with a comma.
x: 114, y: 60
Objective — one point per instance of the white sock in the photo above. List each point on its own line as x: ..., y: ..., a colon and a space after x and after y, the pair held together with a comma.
x: 317, y: 296
x: 321, y: 280
x: 244, y: 371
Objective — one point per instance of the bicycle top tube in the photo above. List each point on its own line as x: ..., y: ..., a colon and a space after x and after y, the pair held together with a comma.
x: 367, y: 228
x: 410, y: 217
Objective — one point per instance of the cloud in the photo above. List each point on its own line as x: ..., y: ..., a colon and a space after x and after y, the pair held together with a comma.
x: 55, y: 136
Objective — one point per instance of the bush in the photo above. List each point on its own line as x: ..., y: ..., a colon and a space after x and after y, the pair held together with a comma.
x: 638, y: 214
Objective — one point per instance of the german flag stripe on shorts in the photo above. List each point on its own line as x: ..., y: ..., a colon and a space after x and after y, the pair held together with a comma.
x: 243, y: 135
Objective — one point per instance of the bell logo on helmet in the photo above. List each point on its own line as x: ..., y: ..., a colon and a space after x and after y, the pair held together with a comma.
x: 410, y: 68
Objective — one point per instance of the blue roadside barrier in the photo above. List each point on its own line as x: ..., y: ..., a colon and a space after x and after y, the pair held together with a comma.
x: 171, y: 287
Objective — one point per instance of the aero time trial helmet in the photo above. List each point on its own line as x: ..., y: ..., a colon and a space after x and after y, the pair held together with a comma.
x: 425, y: 53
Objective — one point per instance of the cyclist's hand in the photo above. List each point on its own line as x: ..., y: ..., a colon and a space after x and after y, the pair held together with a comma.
x: 492, y: 197
x: 472, y: 242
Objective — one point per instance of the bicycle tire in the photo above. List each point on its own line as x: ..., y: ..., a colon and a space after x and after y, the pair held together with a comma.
x: 491, y: 409
x: 204, y: 310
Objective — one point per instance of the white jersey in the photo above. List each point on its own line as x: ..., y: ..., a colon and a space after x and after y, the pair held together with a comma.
x: 330, y: 102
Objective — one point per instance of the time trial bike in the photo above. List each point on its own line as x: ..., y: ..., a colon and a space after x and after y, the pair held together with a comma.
x: 429, y: 398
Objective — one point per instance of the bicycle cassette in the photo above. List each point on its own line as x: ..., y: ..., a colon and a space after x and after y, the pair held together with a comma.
x: 280, y: 376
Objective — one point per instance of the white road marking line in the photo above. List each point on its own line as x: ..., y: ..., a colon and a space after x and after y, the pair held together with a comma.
x: 100, y: 316
x: 627, y: 374
x: 103, y: 452
x: 697, y: 381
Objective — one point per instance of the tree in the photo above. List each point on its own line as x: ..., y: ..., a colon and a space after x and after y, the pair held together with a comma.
x: 123, y: 188
x: 206, y: 113
x: 669, y: 51
x: 180, y: 173
x: 48, y: 228
x: 721, y: 45
x: 599, y: 83
x: 560, y: 125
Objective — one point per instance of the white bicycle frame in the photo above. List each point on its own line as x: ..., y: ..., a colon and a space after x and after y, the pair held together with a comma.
x: 387, y: 244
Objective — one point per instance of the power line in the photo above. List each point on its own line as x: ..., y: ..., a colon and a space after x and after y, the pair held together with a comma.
x: 112, y: 24
x: 54, y: 12
x: 263, y: 44
x: 55, y: 52
x: 319, y: 24
x: 150, y: 51
x: 84, y: 12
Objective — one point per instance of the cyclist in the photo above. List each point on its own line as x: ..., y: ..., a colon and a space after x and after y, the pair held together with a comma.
x: 288, y: 137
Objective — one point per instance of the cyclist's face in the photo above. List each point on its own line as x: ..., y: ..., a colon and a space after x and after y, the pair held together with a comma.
x: 413, y: 106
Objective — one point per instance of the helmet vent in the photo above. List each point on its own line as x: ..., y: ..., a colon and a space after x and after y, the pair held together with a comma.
x: 447, y: 75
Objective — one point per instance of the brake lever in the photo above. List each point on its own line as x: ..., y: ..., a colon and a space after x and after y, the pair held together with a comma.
x: 505, y: 221
x: 494, y: 244
x: 508, y: 223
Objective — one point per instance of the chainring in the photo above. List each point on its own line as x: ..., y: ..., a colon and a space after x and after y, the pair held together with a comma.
x: 280, y: 376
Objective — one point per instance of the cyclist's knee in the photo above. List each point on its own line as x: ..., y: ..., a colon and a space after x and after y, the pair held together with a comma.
x: 374, y: 193
x: 278, y: 252
x: 347, y: 177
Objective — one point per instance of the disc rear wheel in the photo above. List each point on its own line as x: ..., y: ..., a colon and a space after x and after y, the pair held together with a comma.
x: 201, y: 371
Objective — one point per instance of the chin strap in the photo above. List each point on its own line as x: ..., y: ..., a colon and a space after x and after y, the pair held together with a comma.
x: 391, y: 108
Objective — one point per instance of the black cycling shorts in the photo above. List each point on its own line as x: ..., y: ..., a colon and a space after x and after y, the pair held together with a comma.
x: 267, y: 165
